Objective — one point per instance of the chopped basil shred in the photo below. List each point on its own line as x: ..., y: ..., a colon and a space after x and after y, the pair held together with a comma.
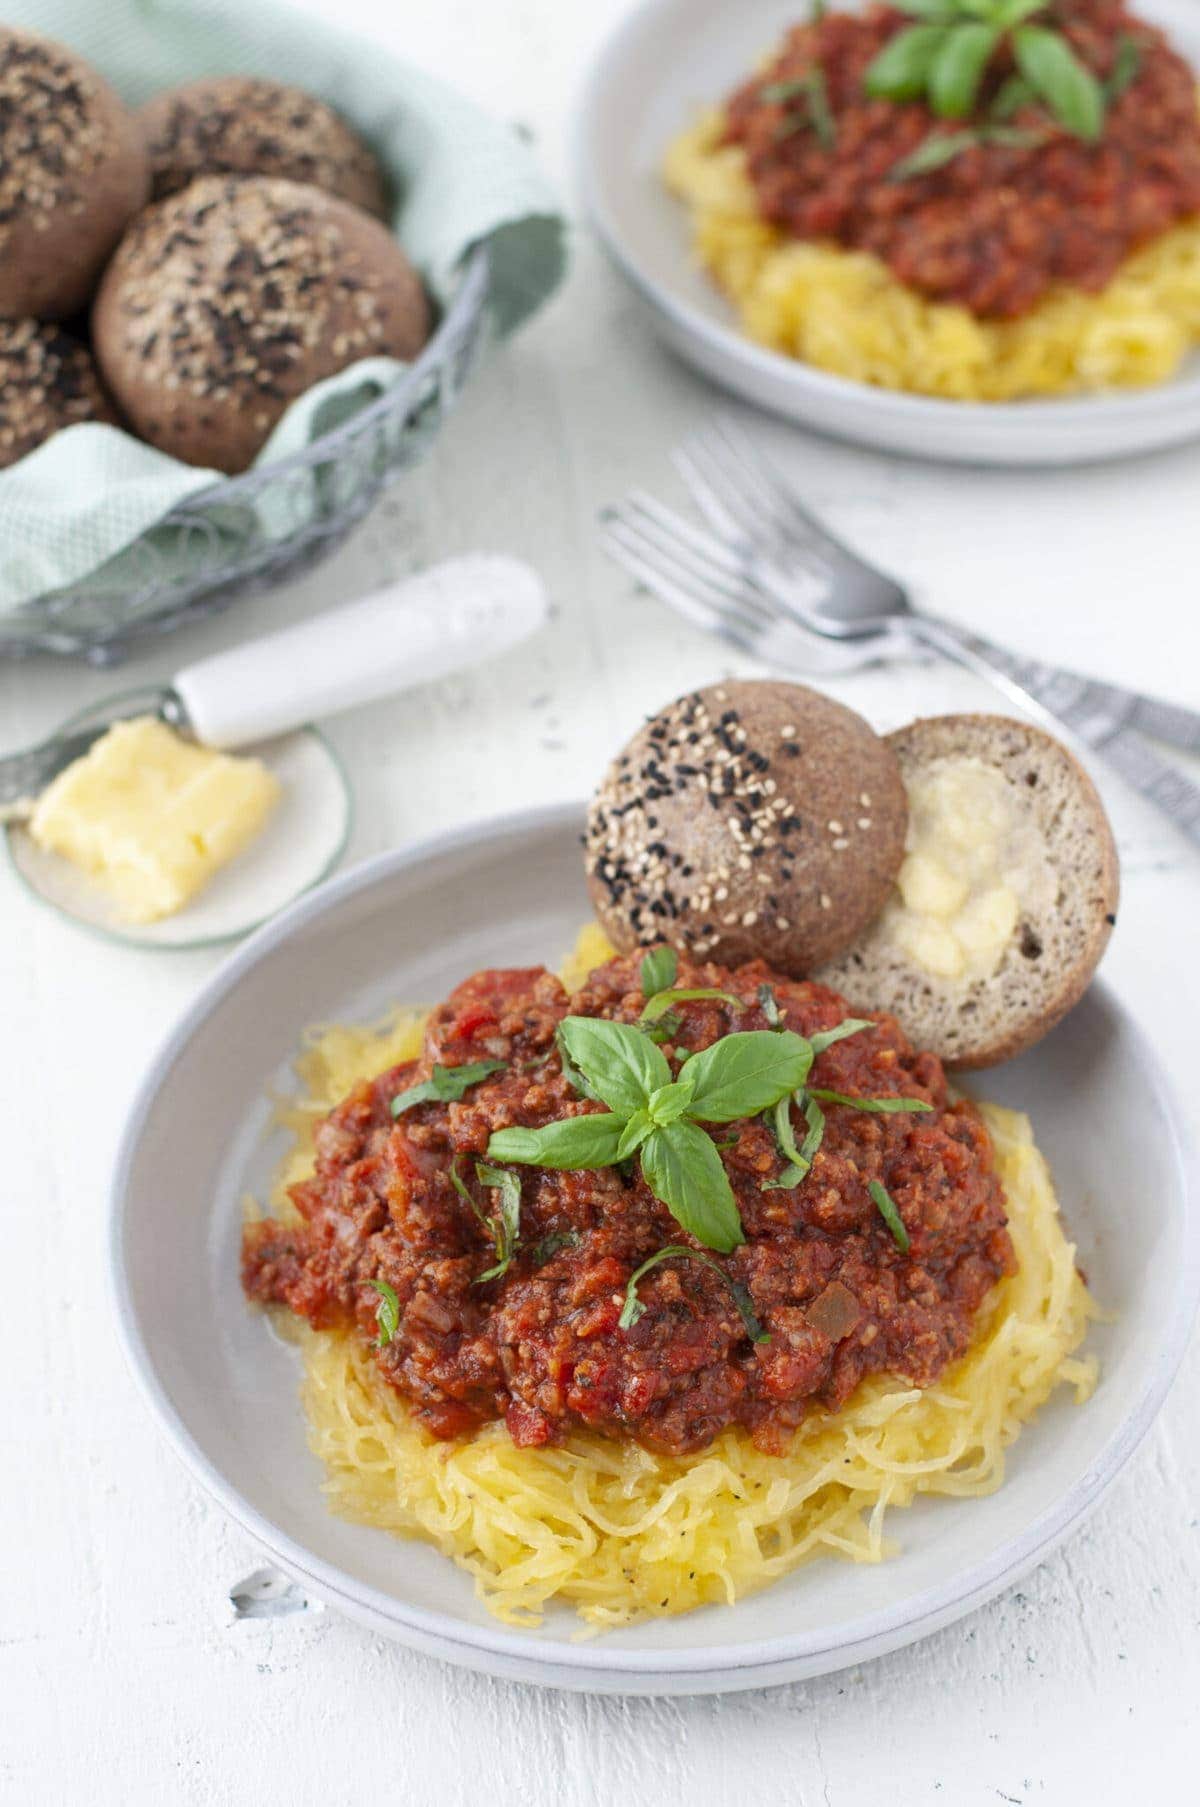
x: 387, y: 1312
x: 633, y: 1309
x: 882, y: 1106
x: 800, y: 1159
x: 506, y: 1225
x: 550, y: 1245
x: 769, y: 1005
x: 658, y: 970
x: 445, y: 1085
x: 886, y: 1207
x: 825, y: 1038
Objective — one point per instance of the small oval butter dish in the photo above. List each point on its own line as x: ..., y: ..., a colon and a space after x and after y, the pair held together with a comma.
x: 255, y: 699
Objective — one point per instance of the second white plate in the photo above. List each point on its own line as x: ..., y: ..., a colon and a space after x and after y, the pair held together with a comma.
x: 668, y: 59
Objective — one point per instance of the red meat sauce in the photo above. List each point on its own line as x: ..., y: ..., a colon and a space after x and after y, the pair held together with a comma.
x: 541, y: 1347
x: 998, y: 227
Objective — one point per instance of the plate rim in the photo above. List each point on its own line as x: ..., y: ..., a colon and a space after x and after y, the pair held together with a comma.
x: 869, y: 1634
x: 798, y: 379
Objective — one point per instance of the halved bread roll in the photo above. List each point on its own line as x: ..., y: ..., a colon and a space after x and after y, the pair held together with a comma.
x: 1005, y: 899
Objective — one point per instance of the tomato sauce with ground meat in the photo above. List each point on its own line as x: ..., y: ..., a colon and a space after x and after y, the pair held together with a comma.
x: 541, y: 1347
x: 998, y: 227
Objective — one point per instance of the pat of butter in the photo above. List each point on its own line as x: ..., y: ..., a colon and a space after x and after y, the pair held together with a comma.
x: 150, y: 817
x: 974, y: 863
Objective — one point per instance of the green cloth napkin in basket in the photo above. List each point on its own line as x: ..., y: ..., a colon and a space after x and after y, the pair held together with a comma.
x: 460, y: 179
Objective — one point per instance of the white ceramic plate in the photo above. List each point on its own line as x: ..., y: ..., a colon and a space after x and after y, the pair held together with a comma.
x: 668, y: 59
x: 408, y: 926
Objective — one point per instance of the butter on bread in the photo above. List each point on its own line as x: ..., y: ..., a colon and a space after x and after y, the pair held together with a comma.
x: 151, y: 817
x: 1004, y: 901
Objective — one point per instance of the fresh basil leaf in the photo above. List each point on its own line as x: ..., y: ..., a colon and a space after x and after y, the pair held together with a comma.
x: 550, y: 1245
x: 633, y: 1309
x: 1054, y: 72
x: 387, y: 1312
x: 636, y: 1129
x: 933, y: 153
x: 571, y: 1144
x: 851, y: 1025
x: 886, y: 1207
x: 620, y: 1063
x: 1012, y: 94
x: 938, y: 12
x: 957, y: 70
x: 1127, y: 66
x: 506, y: 1227
x: 901, y: 69
x: 658, y: 970
x: 1014, y: 137
x: 672, y: 1101
x: 1009, y: 13
x: 662, y: 1001
x: 570, y: 1071
x: 684, y: 1170
x: 445, y: 1085
x: 768, y: 1004
x: 743, y: 1074
x: 800, y: 1159
x: 882, y: 1106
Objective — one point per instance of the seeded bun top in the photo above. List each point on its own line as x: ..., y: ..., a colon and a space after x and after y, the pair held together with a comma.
x: 245, y: 125
x: 226, y: 301
x: 73, y: 171
x: 750, y: 819
x: 47, y: 381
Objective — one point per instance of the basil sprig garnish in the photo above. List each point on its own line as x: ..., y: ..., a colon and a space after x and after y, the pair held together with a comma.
x: 799, y: 1160
x: 657, y: 1117
x: 387, y: 1312
x: 633, y: 1309
x: 945, y: 57
x: 445, y: 1085
x: 886, y: 1206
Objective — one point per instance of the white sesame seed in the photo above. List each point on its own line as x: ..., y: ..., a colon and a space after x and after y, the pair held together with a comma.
x: 826, y: 901
x: 841, y: 844
x: 864, y: 822
x: 787, y: 732
x: 864, y: 799
x: 749, y: 919
x: 835, y: 828
x: 781, y: 922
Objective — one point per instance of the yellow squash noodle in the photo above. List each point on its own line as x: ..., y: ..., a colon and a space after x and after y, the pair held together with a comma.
x: 843, y: 311
x: 624, y: 1534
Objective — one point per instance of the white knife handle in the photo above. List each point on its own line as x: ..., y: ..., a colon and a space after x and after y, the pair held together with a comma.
x: 459, y: 613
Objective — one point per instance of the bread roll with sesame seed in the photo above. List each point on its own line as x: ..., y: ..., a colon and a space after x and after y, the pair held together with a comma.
x: 73, y: 172
x: 747, y: 820
x: 246, y: 125
x: 226, y: 301
x: 47, y: 381
x: 1006, y: 898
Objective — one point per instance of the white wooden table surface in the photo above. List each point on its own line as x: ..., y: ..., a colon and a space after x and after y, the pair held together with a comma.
x: 124, y: 1677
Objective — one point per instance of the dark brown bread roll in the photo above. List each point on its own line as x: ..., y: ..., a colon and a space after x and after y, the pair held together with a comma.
x: 226, y: 301
x: 746, y: 820
x: 244, y: 125
x: 73, y: 172
x: 47, y: 381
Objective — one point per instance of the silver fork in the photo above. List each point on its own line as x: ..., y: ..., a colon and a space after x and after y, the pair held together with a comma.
x: 752, y: 507
x: 714, y: 586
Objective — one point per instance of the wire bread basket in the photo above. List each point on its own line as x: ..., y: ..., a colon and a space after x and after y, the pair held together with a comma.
x: 247, y: 532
